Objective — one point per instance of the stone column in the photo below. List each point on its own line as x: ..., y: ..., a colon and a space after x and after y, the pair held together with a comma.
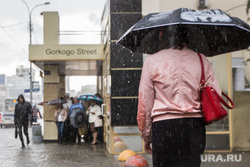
x: 51, y: 92
x: 61, y: 90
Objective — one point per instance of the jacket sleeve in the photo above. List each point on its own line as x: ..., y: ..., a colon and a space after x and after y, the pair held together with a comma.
x: 81, y: 106
x: 98, y: 111
x: 30, y: 109
x: 70, y: 110
x: 87, y: 111
x: 210, y: 76
x: 15, y: 115
x: 145, y: 101
x: 55, y: 114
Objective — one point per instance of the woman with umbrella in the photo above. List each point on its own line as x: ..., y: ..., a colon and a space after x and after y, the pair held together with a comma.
x: 169, y: 97
x: 75, y: 105
x: 93, y: 111
x: 60, y: 118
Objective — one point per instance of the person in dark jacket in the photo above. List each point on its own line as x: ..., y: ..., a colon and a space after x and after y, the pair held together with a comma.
x: 21, y: 118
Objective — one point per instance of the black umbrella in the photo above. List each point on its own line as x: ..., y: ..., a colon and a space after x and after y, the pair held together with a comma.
x: 210, y: 32
x: 57, y: 101
x: 77, y: 117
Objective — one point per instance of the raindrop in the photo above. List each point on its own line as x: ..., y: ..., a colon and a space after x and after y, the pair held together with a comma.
x: 135, y: 39
x: 225, y: 38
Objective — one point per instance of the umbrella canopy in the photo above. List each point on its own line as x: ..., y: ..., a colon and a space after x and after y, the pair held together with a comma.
x: 99, y: 100
x: 41, y: 103
x: 77, y: 117
x: 84, y: 97
x: 210, y: 32
x: 57, y: 101
x: 93, y: 97
x: 90, y: 97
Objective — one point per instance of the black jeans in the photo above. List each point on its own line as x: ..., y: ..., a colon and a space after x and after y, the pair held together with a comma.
x: 76, y: 135
x: 25, y: 130
x: 100, y: 134
x: 178, y: 142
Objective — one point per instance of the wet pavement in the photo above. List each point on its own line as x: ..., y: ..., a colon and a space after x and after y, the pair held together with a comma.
x: 52, y: 154
x: 84, y: 155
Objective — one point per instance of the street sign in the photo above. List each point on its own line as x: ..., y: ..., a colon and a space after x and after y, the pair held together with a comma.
x: 26, y: 90
x: 36, y: 87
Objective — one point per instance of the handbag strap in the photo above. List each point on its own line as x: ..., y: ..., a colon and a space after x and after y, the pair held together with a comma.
x: 203, y: 82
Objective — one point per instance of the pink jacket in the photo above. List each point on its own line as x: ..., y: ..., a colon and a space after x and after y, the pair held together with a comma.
x: 169, y: 87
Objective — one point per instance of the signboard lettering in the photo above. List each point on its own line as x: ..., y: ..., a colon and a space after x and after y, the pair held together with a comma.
x: 68, y: 52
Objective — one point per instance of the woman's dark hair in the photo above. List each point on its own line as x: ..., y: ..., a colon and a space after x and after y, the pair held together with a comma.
x: 72, y: 98
x: 174, y: 36
x: 98, y: 94
x: 61, y: 105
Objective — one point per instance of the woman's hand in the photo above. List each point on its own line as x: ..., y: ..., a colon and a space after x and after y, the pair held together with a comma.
x: 93, y: 113
x: 147, y: 148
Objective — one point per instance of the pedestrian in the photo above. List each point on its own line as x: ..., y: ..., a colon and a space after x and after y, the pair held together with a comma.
x: 169, y: 113
x: 69, y: 102
x: 36, y: 111
x: 76, y: 104
x: 60, y: 118
x: 85, y: 129
x: 100, y: 119
x: 99, y: 127
x: 21, y: 118
x: 94, y: 111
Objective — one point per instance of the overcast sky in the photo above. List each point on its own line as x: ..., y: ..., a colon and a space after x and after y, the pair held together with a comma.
x: 74, y: 15
x: 79, y: 15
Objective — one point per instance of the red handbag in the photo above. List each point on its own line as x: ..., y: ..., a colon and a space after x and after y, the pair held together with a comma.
x: 211, y: 107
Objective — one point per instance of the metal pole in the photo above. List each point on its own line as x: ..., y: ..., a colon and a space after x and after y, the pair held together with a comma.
x: 30, y: 33
x: 31, y: 84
